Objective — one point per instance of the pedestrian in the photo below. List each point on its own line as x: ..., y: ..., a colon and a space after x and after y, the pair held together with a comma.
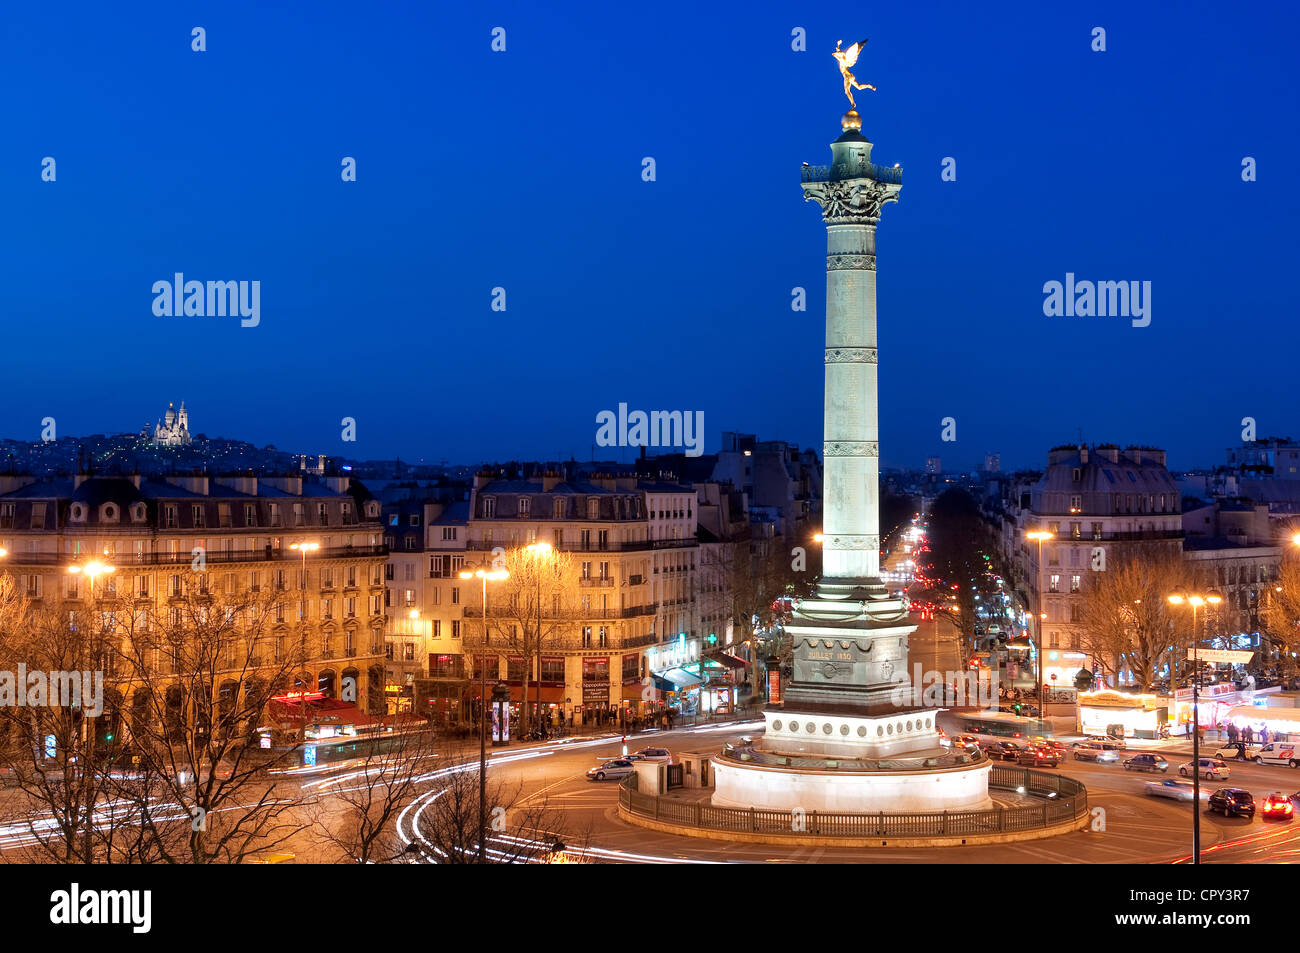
x: 1232, y: 734
x: 1263, y: 735
x: 1248, y: 735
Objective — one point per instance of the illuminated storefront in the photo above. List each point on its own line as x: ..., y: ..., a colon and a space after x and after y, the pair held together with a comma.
x: 1119, y: 714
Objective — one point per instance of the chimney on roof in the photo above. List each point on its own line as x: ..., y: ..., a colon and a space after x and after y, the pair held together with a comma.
x: 550, y: 480
x: 1083, y: 454
x: 1134, y: 454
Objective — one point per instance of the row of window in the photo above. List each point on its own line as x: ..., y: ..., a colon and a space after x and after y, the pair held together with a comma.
x: 170, y: 514
x: 518, y: 669
x: 565, y: 508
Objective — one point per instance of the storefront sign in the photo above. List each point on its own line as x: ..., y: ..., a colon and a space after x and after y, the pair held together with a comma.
x: 1223, y: 655
x: 595, y: 692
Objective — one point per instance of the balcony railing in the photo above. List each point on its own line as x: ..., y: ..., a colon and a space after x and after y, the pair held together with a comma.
x: 852, y: 170
x: 127, y: 560
x: 593, y: 546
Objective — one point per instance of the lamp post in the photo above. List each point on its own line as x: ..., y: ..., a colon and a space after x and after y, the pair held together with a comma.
x: 540, y: 550
x: 1196, y: 601
x: 1039, y: 535
x: 483, y: 575
x: 91, y: 569
x: 303, y: 547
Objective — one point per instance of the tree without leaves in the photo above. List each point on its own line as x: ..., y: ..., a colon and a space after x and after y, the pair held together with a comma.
x: 1281, y: 613
x: 200, y: 674
x: 523, y: 626
x: 520, y: 828
x: 1127, y: 620
x: 57, y: 773
x: 357, y: 811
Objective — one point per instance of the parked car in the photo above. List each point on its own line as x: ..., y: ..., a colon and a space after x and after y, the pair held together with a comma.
x: 1277, y: 807
x: 655, y: 754
x: 1279, y: 752
x: 618, y: 768
x: 1212, y: 769
x: 1039, y: 756
x: 1170, y: 788
x: 1119, y: 743
x: 1002, y: 750
x: 1233, y: 802
x: 1238, y: 751
x: 1094, y: 751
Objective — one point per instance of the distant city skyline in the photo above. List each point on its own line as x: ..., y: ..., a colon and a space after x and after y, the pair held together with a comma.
x: 1030, y: 157
x: 950, y: 462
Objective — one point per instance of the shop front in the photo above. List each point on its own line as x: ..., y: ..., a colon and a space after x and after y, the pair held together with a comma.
x: 1215, y: 706
x: 1121, y: 715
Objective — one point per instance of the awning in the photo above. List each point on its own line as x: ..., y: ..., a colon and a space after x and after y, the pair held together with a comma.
x: 551, y: 694
x: 1287, y: 718
x: 681, y: 678
x: 662, y: 684
x: 730, y: 661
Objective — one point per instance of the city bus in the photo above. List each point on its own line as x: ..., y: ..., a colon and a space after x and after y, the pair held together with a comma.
x: 1001, y: 726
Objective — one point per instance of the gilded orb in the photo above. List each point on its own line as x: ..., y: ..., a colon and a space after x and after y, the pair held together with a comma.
x: 851, y: 121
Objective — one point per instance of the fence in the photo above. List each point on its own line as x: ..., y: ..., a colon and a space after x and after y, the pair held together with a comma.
x: 1069, y: 802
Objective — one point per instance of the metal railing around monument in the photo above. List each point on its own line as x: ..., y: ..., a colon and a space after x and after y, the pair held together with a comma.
x: 1068, y: 802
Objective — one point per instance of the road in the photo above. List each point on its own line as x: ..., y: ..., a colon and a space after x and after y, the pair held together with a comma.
x: 1138, y: 828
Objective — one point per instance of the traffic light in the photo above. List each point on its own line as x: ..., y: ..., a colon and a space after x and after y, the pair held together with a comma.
x: 1016, y: 706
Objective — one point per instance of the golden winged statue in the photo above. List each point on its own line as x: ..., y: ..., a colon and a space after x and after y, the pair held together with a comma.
x: 845, y: 59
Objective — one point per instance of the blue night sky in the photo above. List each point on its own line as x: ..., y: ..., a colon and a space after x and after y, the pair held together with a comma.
x: 523, y: 170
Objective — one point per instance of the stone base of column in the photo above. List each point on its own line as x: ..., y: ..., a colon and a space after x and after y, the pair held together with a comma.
x: 850, y: 648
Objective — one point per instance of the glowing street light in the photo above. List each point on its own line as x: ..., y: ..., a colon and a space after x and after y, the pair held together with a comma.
x: 1040, y: 536
x: 1196, y: 600
x: 485, y: 576
x: 92, y: 570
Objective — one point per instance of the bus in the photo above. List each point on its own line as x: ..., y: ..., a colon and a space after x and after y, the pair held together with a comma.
x: 1001, y: 726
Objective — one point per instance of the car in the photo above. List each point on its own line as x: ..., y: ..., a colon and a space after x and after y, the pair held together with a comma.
x: 1171, y: 788
x: 968, y: 742
x: 1146, y: 762
x: 1239, y: 751
x: 1001, y: 750
x: 1233, y: 802
x: 1093, y: 751
x: 655, y: 754
x: 1053, y: 745
x: 617, y: 768
x: 1212, y: 769
x: 1119, y: 743
x: 1038, y: 756
x: 1277, y: 807
x: 1278, y: 752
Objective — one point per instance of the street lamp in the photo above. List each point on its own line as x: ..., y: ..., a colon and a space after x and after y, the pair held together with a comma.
x: 539, y: 550
x: 495, y: 575
x: 1196, y: 601
x: 304, y: 548
x: 1039, y: 535
x: 91, y: 570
